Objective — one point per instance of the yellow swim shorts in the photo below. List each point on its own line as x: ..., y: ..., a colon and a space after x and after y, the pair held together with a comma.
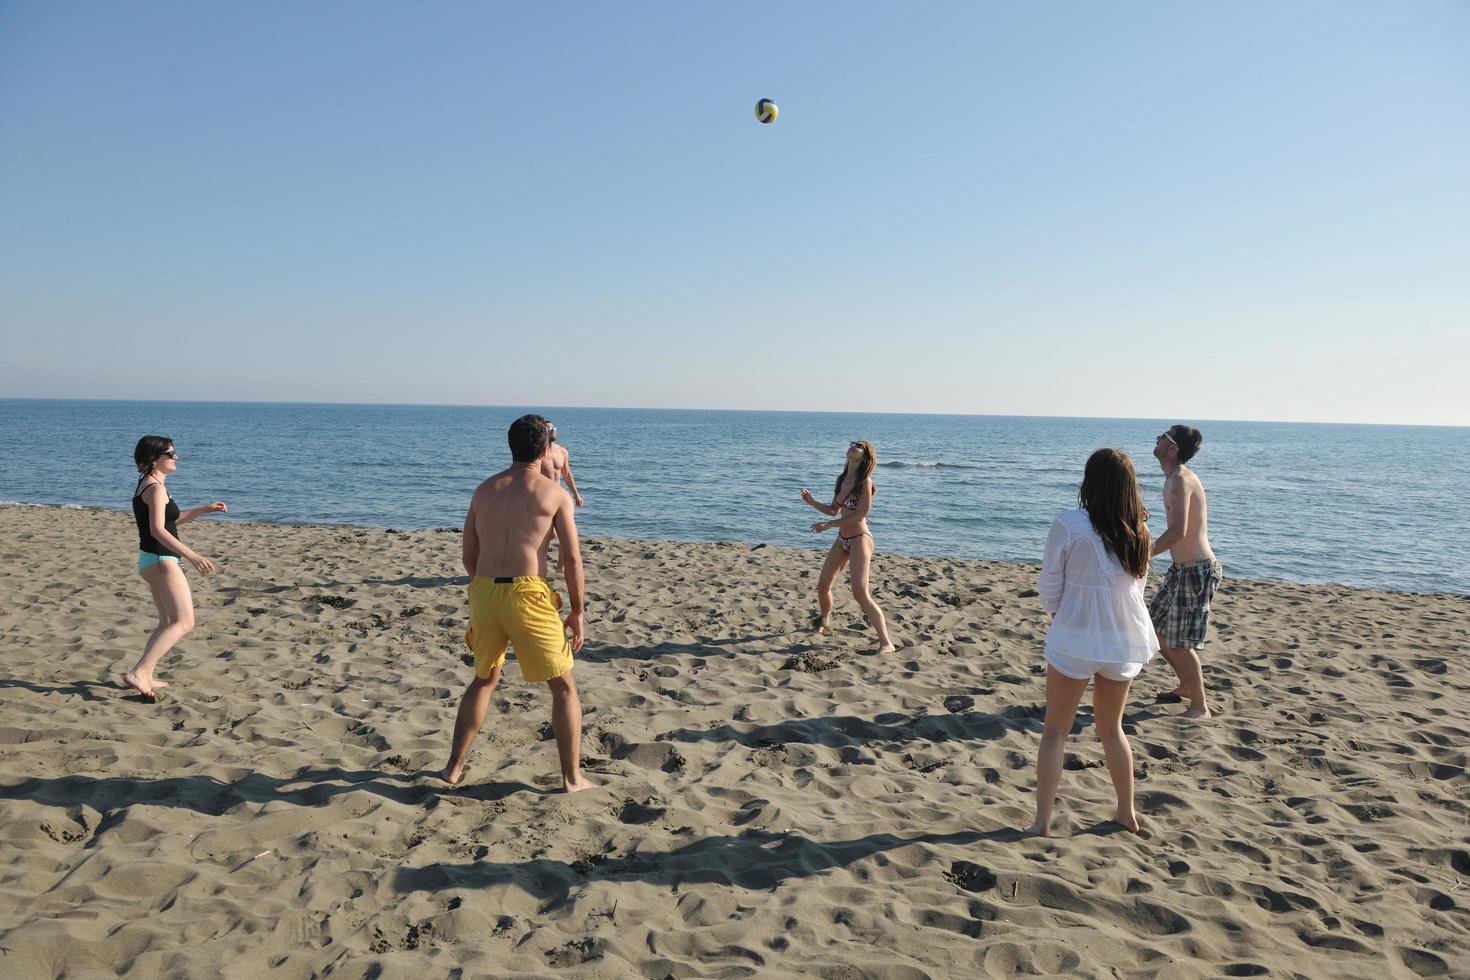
x: 519, y: 612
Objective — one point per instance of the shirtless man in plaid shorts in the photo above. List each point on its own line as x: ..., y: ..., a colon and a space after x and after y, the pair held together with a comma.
x: 1181, y: 607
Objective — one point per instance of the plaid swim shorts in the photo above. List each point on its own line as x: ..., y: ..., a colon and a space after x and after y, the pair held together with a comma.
x: 1180, y: 608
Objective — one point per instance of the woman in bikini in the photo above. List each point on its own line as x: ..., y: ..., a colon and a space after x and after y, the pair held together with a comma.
x: 852, y: 497
x: 159, y: 551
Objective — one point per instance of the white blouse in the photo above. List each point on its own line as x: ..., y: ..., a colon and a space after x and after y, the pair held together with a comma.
x: 1098, y: 607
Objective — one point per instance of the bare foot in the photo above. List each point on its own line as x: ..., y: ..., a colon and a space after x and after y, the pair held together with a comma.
x: 1198, y: 711
x: 1037, y: 829
x: 1129, y: 821
x: 578, y: 784
x: 138, y: 684
x: 886, y: 648
x: 453, y: 775
x: 820, y: 626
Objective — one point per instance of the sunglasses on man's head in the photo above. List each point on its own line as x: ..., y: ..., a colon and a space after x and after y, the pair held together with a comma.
x: 1165, y: 435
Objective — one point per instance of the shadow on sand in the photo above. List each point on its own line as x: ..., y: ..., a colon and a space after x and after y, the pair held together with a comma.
x: 411, y: 581
x: 600, y: 653
x: 841, y: 731
x: 753, y: 859
x: 86, y: 690
x: 214, y: 797
x: 844, y: 731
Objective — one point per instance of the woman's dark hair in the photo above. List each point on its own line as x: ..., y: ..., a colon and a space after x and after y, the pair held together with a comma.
x: 149, y: 450
x: 529, y: 436
x: 1114, y: 504
x: 864, y: 473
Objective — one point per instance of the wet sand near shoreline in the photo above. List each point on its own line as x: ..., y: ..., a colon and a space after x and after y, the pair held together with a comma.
x: 774, y: 803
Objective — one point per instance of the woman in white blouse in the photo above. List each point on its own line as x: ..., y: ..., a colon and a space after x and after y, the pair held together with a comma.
x: 1092, y: 578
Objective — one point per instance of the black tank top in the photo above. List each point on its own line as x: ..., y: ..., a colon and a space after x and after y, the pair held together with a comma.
x: 146, y: 541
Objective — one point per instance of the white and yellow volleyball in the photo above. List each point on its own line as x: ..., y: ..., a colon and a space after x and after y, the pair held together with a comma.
x: 766, y: 111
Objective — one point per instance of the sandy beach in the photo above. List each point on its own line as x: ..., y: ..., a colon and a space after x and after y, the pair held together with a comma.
x: 774, y: 803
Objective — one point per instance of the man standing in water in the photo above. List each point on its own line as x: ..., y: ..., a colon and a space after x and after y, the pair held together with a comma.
x: 507, y: 532
x: 1180, y: 609
x: 557, y: 465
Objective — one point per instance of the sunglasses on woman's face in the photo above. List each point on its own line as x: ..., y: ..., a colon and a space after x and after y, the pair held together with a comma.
x: 854, y: 445
x: 170, y: 454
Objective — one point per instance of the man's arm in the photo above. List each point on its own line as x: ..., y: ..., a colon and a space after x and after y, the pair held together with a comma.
x: 1176, y: 502
x: 566, y: 470
x: 570, y: 553
x: 470, y: 546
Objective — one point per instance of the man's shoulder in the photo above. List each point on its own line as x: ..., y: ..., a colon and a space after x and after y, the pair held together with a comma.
x: 546, y: 490
x: 494, y: 483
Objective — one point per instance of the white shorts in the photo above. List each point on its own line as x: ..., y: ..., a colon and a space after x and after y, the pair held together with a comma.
x: 1081, y: 670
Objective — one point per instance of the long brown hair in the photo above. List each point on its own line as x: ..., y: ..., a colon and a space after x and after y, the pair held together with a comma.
x: 864, y: 473
x: 1114, y: 504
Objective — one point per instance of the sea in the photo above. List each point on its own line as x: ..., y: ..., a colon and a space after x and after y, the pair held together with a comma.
x: 1364, y: 505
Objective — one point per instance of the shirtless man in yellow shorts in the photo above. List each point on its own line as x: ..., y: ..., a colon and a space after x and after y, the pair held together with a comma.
x: 507, y: 531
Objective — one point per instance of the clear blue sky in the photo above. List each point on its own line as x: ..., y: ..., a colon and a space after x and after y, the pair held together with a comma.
x: 1251, y: 211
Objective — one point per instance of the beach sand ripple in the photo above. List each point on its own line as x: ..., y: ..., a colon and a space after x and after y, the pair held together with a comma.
x: 774, y: 802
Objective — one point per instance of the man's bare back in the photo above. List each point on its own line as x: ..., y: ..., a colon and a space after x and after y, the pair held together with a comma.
x: 1184, y: 496
x: 511, y: 520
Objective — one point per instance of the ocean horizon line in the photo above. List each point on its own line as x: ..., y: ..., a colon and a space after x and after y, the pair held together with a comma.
x: 730, y: 411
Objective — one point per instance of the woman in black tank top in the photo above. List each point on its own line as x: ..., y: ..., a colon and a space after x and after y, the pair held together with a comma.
x: 147, y: 543
x: 159, y: 551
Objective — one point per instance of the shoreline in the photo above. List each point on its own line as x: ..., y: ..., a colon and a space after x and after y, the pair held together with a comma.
x: 1156, y: 567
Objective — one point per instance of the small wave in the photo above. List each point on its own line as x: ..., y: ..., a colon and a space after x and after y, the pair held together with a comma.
x: 32, y: 503
x: 28, y: 503
x: 926, y: 465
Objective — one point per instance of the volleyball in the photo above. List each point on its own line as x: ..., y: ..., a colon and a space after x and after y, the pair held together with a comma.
x: 766, y: 111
